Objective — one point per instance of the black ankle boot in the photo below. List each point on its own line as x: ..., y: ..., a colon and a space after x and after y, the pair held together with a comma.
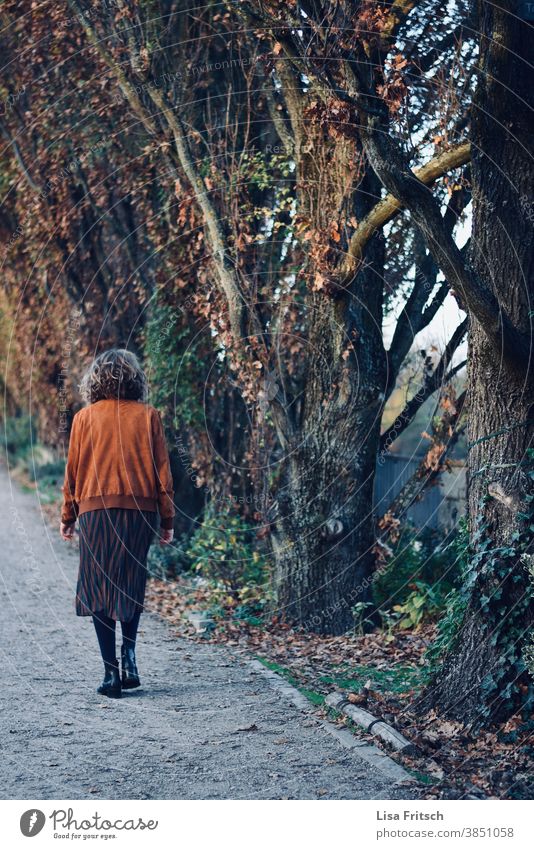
x: 111, y: 685
x: 130, y: 675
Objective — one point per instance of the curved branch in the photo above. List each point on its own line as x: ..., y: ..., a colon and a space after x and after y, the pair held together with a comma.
x: 389, y: 164
x: 390, y: 206
x: 414, y: 317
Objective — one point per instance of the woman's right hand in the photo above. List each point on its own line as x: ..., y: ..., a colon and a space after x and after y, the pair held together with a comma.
x: 66, y: 531
x: 166, y: 536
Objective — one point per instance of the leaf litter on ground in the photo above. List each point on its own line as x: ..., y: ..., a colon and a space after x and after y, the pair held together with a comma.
x: 384, y: 676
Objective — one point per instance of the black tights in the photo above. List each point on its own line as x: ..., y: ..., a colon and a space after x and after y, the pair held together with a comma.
x: 105, y: 632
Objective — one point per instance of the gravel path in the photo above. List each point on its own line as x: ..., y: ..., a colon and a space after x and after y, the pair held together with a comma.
x: 206, y: 724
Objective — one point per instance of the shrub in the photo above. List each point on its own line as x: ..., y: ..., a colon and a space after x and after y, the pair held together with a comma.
x: 423, y: 601
x: 18, y: 434
x: 50, y: 472
x: 168, y: 561
x: 170, y: 353
x: 420, y: 576
x: 32, y: 462
x: 224, y: 550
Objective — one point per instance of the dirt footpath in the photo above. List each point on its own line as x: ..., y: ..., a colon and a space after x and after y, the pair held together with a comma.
x: 207, y: 723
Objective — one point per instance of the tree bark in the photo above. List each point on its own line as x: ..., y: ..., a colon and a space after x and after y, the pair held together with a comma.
x: 324, y: 535
x: 483, y: 675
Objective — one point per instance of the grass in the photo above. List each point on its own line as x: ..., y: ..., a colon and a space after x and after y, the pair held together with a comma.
x: 396, y: 679
x: 314, y: 697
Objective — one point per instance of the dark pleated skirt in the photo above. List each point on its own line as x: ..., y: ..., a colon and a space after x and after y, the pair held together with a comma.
x: 114, y: 545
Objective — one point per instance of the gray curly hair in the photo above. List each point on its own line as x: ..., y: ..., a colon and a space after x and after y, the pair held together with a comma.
x: 116, y: 373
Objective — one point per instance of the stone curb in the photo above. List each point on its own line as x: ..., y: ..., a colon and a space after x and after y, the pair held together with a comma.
x: 371, y: 724
x: 367, y: 752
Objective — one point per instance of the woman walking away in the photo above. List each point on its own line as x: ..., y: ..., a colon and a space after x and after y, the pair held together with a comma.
x: 117, y: 480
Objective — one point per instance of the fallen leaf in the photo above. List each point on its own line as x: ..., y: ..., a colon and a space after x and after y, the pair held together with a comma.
x: 252, y: 727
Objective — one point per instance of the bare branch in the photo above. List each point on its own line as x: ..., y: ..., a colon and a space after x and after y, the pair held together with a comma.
x: 390, y: 165
x: 217, y: 241
x: 18, y: 156
x: 414, y: 317
x: 426, y: 474
x: 227, y: 277
x: 431, y: 385
x: 390, y: 205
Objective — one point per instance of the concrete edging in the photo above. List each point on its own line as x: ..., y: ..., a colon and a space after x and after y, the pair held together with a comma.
x: 366, y: 751
x: 371, y: 724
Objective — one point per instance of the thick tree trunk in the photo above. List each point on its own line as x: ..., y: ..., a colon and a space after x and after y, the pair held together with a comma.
x: 483, y: 677
x: 324, y: 536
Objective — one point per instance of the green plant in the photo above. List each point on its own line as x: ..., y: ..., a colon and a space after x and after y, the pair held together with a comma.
x: 47, y: 473
x: 528, y: 651
x: 18, y: 434
x: 455, y: 605
x: 223, y: 549
x: 314, y: 697
x: 423, y: 601
x: 171, y: 360
x: 492, y: 576
x: 398, y: 678
x: 168, y: 561
x: 359, y: 611
x: 421, y: 572
x: 32, y: 463
x: 389, y: 621
x: 504, y: 621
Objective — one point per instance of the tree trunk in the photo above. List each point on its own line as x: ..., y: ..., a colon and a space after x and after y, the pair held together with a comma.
x: 324, y: 536
x: 483, y: 677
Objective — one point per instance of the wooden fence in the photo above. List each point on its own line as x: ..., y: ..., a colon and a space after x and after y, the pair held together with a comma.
x: 440, y: 506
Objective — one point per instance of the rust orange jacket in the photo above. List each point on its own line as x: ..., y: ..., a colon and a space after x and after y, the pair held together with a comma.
x: 118, y: 458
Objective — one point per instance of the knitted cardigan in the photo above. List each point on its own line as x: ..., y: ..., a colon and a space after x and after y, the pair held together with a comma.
x: 118, y: 458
